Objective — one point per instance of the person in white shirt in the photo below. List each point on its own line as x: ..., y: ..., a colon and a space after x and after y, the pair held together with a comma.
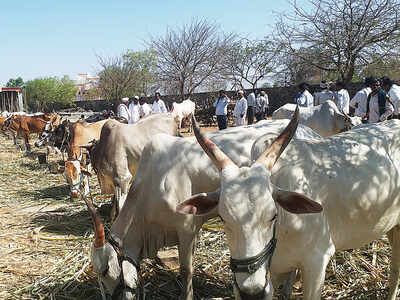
x: 304, y: 98
x: 251, y: 104
x: 134, y: 110
x: 393, y: 91
x: 342, y: 97
x: 221, y: 110
x: 159, y: 105
x: 359, y: 101
x: 240, y: 109
x: 324, y: 95
x: 123, y: 111
x: 261, y: 106
x: 379, y: 106
x: 145, y: 109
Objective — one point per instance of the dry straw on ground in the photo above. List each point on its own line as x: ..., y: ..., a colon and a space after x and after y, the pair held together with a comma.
x: 45, y: 239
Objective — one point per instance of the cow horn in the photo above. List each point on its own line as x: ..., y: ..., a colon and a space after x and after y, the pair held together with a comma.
x: 271, y: 155
x: 99, y: 236
x: 219, y: 158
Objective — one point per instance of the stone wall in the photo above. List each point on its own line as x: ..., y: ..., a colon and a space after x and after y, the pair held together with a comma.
x: 278, y: 96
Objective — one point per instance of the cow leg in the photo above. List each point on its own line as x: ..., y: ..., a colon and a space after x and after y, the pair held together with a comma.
x: 122, y: 185
x: 289, y: 280
x: 313, y: 272
x: 186, y: 250
x: 27, y: 145
x: 394, y: 239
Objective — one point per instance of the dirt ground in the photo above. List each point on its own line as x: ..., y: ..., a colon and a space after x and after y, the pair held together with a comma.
x: 45, y: 239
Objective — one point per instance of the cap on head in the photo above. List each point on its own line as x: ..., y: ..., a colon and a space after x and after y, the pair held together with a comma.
x: 136, y: 97
x: 125, y: 99
x: 324, y: 85
x: 386, y: 81
x: 240, y: 92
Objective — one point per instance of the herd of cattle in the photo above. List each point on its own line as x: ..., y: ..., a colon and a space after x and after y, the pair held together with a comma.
x: 289, y: 195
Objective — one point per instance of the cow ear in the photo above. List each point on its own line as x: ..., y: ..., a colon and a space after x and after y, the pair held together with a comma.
x: 199, y: 204
x: 296, y: 203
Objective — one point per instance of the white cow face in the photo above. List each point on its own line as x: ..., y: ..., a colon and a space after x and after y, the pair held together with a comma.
x: 247, y: 203
x: 44, y: 137
x: 116, y: 273
x: 77, y: 178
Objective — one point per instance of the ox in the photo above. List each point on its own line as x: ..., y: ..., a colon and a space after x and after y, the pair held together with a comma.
x: 324, y: 119
x: 80, y: 134
x: 116, y: 155
x: 183, y: 110
x: 170, y: 170
x: 354, y: 176
x: 24, y: 126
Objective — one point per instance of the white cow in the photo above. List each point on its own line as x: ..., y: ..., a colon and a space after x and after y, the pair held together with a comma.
x: 182, y: 110
x: 170, y: 170
x: 324, y: 119
x: 353, y: 175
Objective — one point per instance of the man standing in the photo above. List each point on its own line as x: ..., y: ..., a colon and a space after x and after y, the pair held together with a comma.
x: 323, y: 95
x: 158, y: 105
x: 240, y: 109
x: 261, y: 106
x: 134, y: 109
x: 304, y: 98
x: 221, y: 104
x: 342, y: 97
x: 251, y: 104
x: 359, y: 101
x: 393, y: 91
x: 145, y: 109
x: 379, y: 106
x: 123, y: 111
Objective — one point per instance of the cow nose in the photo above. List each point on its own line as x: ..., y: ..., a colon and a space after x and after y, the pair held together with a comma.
x: 74, y: 194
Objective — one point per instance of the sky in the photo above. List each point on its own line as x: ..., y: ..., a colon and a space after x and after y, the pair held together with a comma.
x: 45, y: 38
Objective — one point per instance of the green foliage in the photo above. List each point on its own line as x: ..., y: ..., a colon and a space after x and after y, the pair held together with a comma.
x: 46, y: 94
x: 15, y: 82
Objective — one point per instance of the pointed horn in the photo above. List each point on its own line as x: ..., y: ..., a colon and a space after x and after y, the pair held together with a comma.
x: 271, y: 155
x: 218, y: 157
x: 99, y: 236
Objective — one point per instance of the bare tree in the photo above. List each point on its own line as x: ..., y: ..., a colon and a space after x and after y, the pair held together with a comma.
x: 190, y: 55
x: 292, y: 69
x: 342, y: 34
x: 250, y: 61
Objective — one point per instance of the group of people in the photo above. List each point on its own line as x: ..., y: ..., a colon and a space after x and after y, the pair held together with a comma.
x: 132, y: 111
x: 251, y: 107
x: 377, y: 101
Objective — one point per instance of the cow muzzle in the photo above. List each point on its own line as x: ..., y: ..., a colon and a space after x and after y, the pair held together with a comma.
x: 251, y: 265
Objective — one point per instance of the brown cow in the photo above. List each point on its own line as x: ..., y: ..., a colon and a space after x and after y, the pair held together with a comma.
x: 80, y: 134
x: 24, y: 126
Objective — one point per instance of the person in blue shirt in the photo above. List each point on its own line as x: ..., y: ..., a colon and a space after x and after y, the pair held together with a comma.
x: 221, y: 104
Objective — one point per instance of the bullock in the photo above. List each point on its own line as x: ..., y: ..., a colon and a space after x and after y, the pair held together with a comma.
x: 80, y: 134
x: 325, y: 119
x: 170, y: 170
x: 183, y: 110
x: 116, y: 155
x: 24, y: 126
x: 354, y: 176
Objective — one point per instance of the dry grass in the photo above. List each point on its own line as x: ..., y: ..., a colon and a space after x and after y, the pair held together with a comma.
x: 45, y: 238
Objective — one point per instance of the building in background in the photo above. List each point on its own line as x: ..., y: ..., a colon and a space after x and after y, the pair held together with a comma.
x: 12, y: 99
x: 87, y: 87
